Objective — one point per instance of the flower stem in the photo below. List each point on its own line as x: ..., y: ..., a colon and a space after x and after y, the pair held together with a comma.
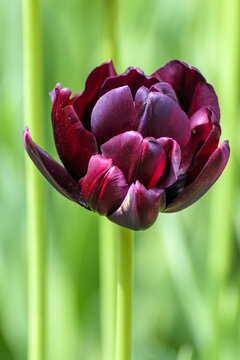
x: 107, y: 232
x: 124, y: 295
x: 33, y: 105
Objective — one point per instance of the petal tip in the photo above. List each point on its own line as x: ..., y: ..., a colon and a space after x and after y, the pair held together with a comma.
x: 26, y: 138
x: 55, y: 91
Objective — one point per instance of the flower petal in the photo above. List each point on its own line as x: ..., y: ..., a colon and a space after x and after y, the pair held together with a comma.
x: 166, y: 89
x: 83, y: 104
x: 113, y: 114
x: 173, y: 154
x: 204, y: 127
x: 55, y: 174
x: 75, y: 145
x: 133, y: 77
x: 138, y: 158
x: 140, y: 208
x: 104, y: 186
x: 207, y: 177
x: 191, y: 87
x: 162, y: 117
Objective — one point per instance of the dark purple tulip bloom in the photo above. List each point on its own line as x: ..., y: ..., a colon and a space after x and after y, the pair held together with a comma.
x: 134, y: 145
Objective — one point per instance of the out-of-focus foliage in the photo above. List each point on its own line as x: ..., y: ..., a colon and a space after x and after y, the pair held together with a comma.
x: 187, y: 270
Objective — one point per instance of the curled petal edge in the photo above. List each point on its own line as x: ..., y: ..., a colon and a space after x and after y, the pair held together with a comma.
x: 140, y: 207
x: 206, y: 178
x: 55, y: 174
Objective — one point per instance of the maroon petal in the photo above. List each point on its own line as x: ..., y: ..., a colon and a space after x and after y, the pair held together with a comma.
x: 173, y: 154
x: 204, y: 125
x: 207, y: 177
x: 83, y: 104
x: 140, y: 208
x: 138, y: 158
x: 75, y: 145
x: 162, y: 117
x: 113, y: 114
x: 166, y: 89
x: 133, y: 77
x: 191, y: 87
x: 55, y: 174
x: 104, y: 186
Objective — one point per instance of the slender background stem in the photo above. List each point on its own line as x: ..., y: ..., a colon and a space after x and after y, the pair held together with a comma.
x: 36, y: 226
x: 107, y: 230
x: 221, y: 229
x: 124, y: 294
x: 111, y: 44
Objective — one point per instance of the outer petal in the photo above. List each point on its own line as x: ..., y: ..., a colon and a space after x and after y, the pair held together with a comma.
x: 207, y: 177
x: 75, y: 145
x: 162, y: 117
x: 104, y: 186
x: 204, y: 153
x: 133, y: 77
x: 140, y: 208
x: 56, y: 174
x: 204, y: 127
x: 83, y: 104
x: 191, y: 87
x: 113, y: 114
x: 138, y: 158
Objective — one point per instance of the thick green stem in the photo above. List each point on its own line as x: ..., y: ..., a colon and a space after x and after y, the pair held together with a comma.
x: 33, y: 104
x: 124, y: 295
x: 107, y: 248
x: 107, y: 230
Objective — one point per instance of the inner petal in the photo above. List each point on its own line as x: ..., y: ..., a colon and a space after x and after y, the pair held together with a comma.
x: 133, y: 77
x: 138, y: 158
x: 113, y: 114
x: 160, y: 116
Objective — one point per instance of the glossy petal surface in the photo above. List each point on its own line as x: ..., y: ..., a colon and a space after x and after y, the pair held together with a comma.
x: 140, y: 208
x: 75, y: 145
x: 166, y: 89
x: 83, y: 104
x: 55, y: 174
x: 104, y: 187
x: 173, y: 159
x: 138, y: 158
x: 113, y: 114
x: 162, y: 117
x: 204, y: 127
x: 191, y: 87
x: 133, y: 77
x: 207, y: 177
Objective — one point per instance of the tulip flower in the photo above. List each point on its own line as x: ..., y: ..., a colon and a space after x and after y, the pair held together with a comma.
x: 133, y: 145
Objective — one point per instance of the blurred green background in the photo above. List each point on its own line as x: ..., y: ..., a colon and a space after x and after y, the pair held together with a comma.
x: 187, y: 268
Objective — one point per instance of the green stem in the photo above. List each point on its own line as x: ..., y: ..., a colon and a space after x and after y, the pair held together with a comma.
x: 124, y: 295
x: 110, y: 46
x: 107, y: 230
x: 107, y: 233
x: 33, y: 104
x: 221, y: 230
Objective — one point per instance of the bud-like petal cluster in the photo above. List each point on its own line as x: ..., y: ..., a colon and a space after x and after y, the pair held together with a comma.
x: 133, y: 145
